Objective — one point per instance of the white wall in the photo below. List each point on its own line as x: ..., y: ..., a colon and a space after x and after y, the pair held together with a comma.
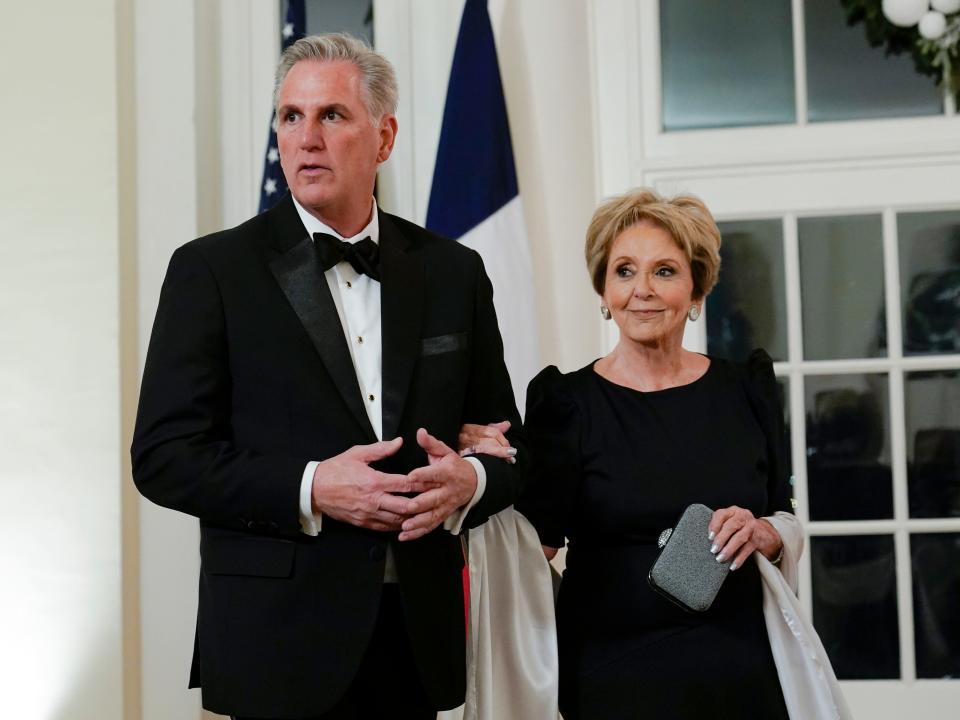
x: 60, y: 426
x: 166, y: 197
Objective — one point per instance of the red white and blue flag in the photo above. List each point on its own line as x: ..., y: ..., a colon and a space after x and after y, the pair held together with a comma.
x: 274, y: 185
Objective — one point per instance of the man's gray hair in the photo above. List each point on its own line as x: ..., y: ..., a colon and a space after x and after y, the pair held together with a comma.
x: 379, y: 80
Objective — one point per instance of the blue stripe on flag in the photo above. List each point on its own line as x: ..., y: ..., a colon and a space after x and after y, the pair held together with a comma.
x: 474, y: 175
x: 274, y: 185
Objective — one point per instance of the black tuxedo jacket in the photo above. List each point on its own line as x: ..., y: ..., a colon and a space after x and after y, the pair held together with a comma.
x: 248, y: 377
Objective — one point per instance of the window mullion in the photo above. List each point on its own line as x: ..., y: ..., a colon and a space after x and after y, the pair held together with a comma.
x: 791, y: 259
x: 898, y: 445
x: 799, y: 61
x: 883, y: 527
x: 901, y: 513
x: 908, y: 665
x: 891, y: 281
x: 798, y: 439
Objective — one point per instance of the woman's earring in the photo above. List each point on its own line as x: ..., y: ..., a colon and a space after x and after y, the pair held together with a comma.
x: 605, y: 312
x: 693, y: 313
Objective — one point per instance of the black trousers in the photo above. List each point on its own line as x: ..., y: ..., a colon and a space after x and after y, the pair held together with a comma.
x: 387, y: 684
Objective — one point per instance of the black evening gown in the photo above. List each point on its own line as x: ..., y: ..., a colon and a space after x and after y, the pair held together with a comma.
x: 613, y: 468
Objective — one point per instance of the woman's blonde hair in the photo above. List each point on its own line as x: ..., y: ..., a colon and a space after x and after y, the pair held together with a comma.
x: 685, y: 217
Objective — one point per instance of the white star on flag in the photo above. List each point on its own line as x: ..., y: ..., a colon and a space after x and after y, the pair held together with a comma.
x: 270, y: 186
x: 273, y: 123
x: 273, y: 155
x: 288, y: 30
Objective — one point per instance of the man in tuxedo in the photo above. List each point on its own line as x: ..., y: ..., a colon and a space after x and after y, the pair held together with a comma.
x: 308, y: 373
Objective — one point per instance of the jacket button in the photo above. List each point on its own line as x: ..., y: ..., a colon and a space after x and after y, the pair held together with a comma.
x: 377, y: 553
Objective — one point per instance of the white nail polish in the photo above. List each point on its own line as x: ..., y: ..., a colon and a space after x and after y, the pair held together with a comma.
x: 720, y: 558
x: 713, y: 549
x: 511, y: 451
x: 711, y: 536
x: 733, y: 565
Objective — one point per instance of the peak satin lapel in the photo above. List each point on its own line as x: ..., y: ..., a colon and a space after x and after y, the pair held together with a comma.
x: 302, y: 281
x: 401, y: 308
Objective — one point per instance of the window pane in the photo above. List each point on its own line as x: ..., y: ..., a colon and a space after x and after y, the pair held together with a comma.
x: 748, y: 308
x: 848, y: 447
x: 930, y: 281
x: 936, y: 587
x: 841, y: 284
x: 932, y: 405
x: 847, y: 79
x: 855, y: 604
x: 726, y: 63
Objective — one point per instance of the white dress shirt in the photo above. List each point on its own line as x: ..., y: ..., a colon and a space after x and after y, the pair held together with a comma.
x: 357, y: 299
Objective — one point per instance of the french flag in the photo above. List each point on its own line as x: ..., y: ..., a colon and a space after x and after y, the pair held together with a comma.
x: 475, y: 198
x: 512, y: 667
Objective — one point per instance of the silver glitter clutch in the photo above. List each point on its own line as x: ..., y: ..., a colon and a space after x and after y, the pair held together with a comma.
x: 685, y: 572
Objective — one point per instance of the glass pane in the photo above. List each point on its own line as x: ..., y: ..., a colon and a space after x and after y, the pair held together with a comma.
x: 726, y: 63
x: 841, y: 285
x: 932, y: 407
x: 847, y: 79
x: 936, y: 588
x: 748, y: 308
x: 848, y: 447
x: 855, y: 604
x: 930, y: 281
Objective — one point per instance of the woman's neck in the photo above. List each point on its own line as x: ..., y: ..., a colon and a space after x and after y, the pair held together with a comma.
x: 648, y: 368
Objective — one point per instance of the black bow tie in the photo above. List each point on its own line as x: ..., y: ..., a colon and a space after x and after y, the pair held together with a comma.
x: 363, y: 255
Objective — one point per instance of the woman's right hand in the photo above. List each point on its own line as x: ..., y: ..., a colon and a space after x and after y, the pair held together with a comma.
x: 486, y: 440
x: 736, y: 533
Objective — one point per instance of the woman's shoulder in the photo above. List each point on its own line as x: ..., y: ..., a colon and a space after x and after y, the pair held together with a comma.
x: 758, y: 383
x: 555, y: 390
x: 552, y: 380
x: 756, y: 369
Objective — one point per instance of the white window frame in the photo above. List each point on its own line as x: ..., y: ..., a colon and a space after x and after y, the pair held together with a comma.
x: 801, y: 141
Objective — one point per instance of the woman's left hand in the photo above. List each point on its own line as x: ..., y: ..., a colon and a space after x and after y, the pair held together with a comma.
x: 736, y: 533
x: 486, y: 439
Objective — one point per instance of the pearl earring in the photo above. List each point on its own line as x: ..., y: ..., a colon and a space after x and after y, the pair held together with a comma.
x: 693, y: 313
x: 605, y: 312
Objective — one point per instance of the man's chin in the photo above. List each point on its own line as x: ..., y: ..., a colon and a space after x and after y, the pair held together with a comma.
x: 311, y: 197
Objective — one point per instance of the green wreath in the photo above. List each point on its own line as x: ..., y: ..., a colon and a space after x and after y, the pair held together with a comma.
x: 928, y: 55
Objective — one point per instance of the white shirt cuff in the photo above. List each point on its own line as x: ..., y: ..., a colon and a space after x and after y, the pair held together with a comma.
x: 454, y: 523
x: 309, y: 521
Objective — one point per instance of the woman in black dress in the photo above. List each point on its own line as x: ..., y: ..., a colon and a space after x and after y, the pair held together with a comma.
x: 621, y: 447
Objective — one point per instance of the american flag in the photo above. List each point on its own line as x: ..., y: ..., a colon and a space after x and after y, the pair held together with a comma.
x: 274, y: 185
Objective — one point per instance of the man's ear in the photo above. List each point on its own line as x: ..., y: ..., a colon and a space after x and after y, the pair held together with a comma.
x: 388, y: 135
